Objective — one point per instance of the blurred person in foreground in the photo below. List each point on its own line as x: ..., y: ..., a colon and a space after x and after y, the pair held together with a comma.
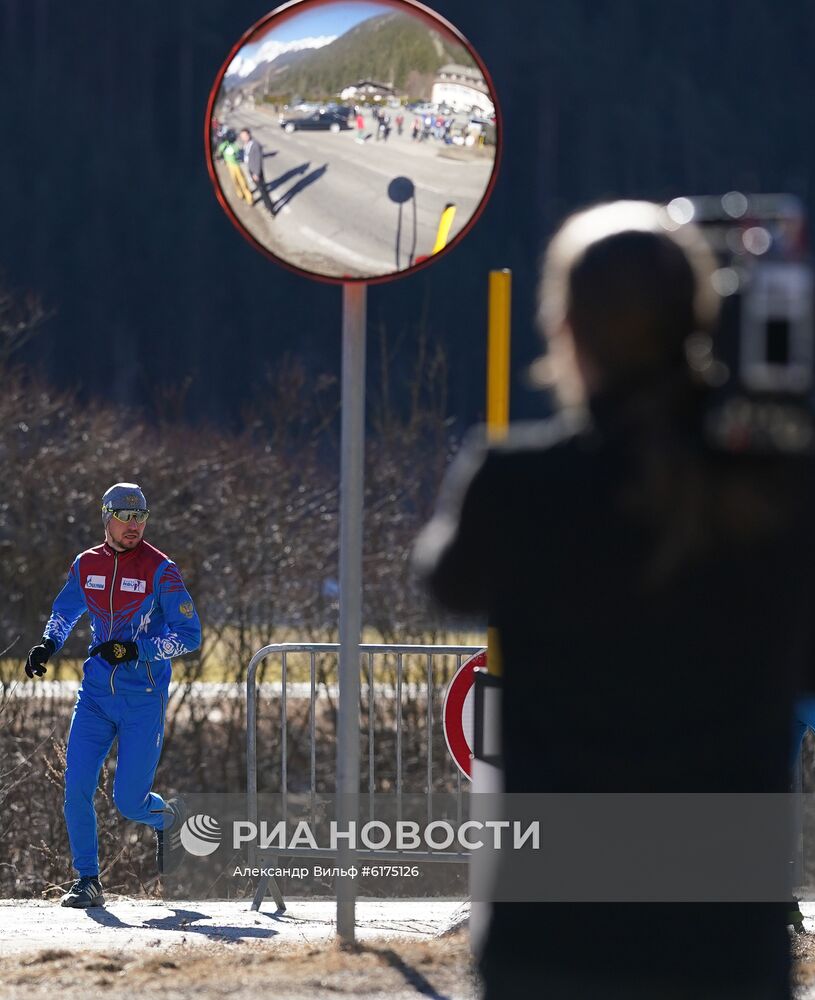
x: 650, y: 596
x: 141, y: 617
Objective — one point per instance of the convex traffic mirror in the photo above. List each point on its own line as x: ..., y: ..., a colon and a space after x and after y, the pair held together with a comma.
x: 353, y: 140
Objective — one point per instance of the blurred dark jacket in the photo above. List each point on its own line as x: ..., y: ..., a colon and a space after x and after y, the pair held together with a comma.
x: 621, y: 678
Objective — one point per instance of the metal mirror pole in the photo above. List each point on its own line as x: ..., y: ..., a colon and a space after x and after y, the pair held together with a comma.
x: 352, y: 474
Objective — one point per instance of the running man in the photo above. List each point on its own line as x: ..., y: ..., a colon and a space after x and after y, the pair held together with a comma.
x: 141, y: 616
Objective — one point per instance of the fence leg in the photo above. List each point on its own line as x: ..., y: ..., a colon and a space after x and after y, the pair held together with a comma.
x: 260, y: 892
x: 274, y: 888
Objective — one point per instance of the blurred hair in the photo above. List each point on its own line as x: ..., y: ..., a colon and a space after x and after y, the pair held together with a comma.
x: 622, y: 292
x: 623, y: 287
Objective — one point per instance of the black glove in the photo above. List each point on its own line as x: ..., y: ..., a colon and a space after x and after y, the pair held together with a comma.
x: 38, y: 656
x: 115, y: 651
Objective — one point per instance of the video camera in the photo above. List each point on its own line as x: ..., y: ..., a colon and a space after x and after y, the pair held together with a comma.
x: 759, y: 362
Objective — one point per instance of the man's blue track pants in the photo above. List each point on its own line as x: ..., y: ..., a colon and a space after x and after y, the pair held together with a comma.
x: 138, y: 721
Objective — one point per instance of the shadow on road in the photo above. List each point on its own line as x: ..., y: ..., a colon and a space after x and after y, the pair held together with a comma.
x: 181, y: 920
x: 283, y: 917
x: 294, y: 172
x: 178, y: 919
x: 301, y: 185
x: 411, y: 976
x: 184, y: 920
x: 102, y: 916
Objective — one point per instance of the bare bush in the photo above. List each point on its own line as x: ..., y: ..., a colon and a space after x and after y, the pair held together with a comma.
x: 21, y: 317
x: 250, y: 518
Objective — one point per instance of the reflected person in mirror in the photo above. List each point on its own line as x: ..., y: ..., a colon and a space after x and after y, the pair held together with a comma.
x: 229, y: 151
x: 253, y: 161
x: 652, y: 596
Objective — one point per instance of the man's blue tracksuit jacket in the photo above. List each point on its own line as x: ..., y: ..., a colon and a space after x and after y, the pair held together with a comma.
x: 134, y: 596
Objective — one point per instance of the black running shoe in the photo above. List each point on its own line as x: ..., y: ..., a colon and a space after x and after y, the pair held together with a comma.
x: 169, y: 849
x: 86, y: 891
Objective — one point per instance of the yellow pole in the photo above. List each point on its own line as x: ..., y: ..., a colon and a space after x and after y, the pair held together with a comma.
x: 443, y: 232
x: 499, y: 325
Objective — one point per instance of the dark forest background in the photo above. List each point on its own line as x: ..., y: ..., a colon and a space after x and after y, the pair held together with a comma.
x: 108, y: 213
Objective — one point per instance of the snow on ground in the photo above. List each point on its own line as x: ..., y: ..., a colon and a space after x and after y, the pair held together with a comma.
x: 126, y: 923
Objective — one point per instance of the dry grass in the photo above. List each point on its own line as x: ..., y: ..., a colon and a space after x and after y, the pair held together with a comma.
x: 393, y: 969
x: 803, y: 956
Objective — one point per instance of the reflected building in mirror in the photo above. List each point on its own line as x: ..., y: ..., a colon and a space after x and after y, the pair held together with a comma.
x: 463, y: 88
x: 366, y: 132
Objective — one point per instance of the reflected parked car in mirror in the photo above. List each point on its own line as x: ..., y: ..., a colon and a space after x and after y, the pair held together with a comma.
x: 332, y: 121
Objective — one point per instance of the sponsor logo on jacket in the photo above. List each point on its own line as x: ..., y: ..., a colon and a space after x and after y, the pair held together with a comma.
x: 95, y: 583
x: 133, y: 586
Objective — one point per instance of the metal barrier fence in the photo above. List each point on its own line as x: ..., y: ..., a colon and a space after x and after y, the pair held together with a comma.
x: 436, y: 664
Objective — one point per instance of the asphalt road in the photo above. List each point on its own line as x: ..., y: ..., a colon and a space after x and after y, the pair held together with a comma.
x: 336, y: 200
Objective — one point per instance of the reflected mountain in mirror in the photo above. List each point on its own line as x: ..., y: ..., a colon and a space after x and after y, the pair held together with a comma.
x: 352, y: 140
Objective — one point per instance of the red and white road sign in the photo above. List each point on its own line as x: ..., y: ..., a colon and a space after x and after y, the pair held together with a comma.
x: 458, y: 711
